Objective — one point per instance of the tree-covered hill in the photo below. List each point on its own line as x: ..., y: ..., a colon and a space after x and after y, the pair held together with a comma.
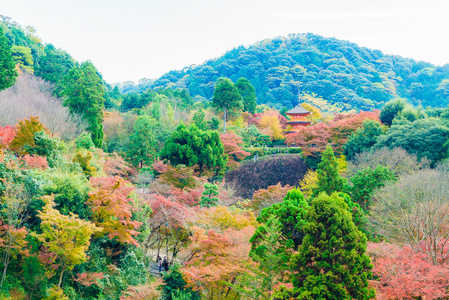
x: 339, y: 71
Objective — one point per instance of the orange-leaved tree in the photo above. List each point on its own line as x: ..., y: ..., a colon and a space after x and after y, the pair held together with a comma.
x: 216, y: 260
x: 15, y: 203
x: 68, y: 237
x: 168, y: 223
x: 24, y: 138
x: 12, y: 243
x: 220, y: 218
x: 112, y: 208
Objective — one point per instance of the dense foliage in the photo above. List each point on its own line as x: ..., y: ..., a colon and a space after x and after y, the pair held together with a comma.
x: 252, y: 213
x: 339, y: 71
x: 8, y: 73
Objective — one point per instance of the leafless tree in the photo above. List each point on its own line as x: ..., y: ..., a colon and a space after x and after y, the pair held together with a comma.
x: 32, y: 96
x: 415, y: 211
x: 397, y: 160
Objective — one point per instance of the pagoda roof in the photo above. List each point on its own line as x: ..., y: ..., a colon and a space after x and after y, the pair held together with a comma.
x: 298, y: 109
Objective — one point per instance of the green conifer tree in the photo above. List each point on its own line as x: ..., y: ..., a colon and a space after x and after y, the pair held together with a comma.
x: 208, y: 199
x: 226, y: 97
x: 198, y: 119
x: 85, y: 96
x: 329, y: 179
x: 248, y: 93
x: 8, y: 71
x: 291, y: 214
x: 142, y: 143
x: 331, y: 262
x: 174, y: 283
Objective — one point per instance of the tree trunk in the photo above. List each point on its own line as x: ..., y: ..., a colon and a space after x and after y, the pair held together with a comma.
x: 224, y: 121
x: 5, y: 263
x: 60, y: 278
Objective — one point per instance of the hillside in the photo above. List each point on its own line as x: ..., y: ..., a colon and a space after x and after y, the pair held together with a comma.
x: 339, y: 71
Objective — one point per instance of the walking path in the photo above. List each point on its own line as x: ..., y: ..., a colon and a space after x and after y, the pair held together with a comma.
x: 154, y: 269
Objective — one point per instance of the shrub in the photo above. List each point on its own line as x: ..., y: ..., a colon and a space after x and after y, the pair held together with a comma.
x: 252, y: 176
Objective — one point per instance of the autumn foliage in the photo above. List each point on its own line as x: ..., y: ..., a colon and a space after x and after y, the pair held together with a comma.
x: 233, y: 148
x: 216, y: 259
x: 25, y: 131
x: 266, y: 197
x: 7, y: 135
x: 270, y: 123
x: 112, y: 208
x: 35, y: 161
x: 403, y: 274
x: 313, y: 139
x: 67, y: 237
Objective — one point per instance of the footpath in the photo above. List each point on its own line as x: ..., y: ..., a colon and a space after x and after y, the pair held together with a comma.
x: 154, y: 269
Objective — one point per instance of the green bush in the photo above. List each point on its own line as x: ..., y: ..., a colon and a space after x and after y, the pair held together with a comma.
x: 254, y: 151
x: 294, y: 150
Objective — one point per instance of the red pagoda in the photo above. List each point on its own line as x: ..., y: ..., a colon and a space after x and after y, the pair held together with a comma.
x: 298, y: 118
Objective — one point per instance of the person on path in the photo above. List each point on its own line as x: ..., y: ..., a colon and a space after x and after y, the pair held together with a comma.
x: 165, y: 264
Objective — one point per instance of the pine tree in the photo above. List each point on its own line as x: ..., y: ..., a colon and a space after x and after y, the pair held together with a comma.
x: 85, y: 92
x: 329, y: 179
x: 331, y: 262
x: 208, y: 199
x: 194, y: 147
x: 8, y: 71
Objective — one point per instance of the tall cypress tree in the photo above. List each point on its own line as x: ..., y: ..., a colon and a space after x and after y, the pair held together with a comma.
x: 8, y: 72
x: 142, y: 146
x: 329, y: 179
x: 331, y: 262
x: 85, y: 96
x: 248, y: 93
x: 226, y: 97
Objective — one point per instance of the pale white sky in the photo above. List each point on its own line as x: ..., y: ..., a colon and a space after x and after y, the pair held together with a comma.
x: 133, y: 39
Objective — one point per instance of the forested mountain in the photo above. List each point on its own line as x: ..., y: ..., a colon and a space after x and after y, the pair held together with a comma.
x: 339, y: 71
x: 162, y: 193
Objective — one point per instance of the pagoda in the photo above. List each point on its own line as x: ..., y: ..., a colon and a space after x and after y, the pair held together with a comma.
x: 298, y: 118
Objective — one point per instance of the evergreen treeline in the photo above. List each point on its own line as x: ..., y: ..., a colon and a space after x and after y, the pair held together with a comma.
x: 338, y: 71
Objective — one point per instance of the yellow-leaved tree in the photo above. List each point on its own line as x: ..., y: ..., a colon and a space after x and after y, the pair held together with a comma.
x: 308, y: 183
x: 67, y: 237
x: 270, y: 124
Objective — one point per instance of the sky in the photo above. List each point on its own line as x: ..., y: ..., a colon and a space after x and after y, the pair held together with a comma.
x: 132, y: 39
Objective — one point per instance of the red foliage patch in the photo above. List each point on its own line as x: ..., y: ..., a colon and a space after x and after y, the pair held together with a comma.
x: 35, y: 161
x: 233, y: 148
x: 315, y: 138
x: 7, y: 134
x: 403, y: 274
x: 88, y: 279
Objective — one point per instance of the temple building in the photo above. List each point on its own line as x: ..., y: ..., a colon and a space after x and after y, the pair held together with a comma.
x: 298, y: 118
